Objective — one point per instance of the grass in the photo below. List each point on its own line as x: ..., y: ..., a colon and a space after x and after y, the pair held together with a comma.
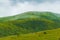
x: 30, y: 26
x: 25, y: 26
x: 49, y: 35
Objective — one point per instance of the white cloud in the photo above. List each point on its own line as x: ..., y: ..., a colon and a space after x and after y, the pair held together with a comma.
x: 6, y: 9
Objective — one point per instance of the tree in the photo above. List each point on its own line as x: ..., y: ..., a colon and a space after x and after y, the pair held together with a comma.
x: 45, y: 33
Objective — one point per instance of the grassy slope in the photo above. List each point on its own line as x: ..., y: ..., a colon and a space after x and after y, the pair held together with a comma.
x: 28, y: 23
x: 26, y: 26
x: 50, y: 35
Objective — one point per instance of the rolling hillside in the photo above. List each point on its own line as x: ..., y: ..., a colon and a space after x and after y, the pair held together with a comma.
x: 28, y: 22
x: 41, y: 35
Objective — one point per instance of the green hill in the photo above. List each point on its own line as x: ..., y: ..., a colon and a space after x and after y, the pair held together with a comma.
x: 28, y: 22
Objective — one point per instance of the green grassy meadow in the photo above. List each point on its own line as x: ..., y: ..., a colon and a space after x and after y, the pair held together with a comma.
x: 49, y: 35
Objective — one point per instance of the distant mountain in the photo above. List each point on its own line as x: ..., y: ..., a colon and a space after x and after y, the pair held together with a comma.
x: 28, y: 22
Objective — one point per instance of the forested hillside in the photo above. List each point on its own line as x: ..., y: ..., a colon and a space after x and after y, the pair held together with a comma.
x: 28, y: 22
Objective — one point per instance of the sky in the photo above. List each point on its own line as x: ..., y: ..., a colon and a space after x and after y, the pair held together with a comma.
x: 13, y: 7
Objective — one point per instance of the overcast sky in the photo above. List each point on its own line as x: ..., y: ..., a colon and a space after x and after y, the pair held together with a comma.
x: 13, y: 7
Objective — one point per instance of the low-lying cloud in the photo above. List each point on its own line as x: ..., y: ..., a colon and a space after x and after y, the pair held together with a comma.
x: 6, y: 9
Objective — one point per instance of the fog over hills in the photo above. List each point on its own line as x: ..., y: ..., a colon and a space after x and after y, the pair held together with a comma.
x: 13, y: 7
x: 29, y: 19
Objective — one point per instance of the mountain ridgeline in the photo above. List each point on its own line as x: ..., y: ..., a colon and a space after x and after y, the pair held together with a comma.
x: 28, y: 22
